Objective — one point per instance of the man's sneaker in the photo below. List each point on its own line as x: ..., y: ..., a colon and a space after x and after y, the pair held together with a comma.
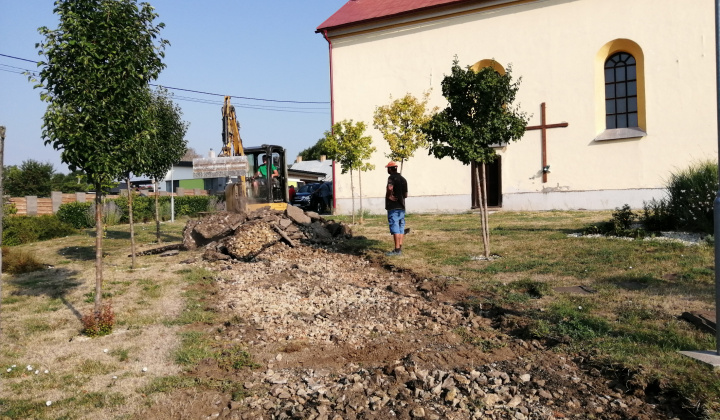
x: 394, y: 253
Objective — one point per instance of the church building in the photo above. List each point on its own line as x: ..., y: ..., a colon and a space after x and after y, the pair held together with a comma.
x: 619, y: 94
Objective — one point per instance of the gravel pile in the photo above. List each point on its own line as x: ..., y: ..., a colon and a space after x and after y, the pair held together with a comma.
x: 340, y: 305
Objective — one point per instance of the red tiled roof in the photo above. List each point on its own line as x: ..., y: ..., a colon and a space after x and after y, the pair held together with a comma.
x: 355, y: 11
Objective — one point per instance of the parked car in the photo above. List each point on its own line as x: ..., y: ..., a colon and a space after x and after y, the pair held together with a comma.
x: 304, y: 196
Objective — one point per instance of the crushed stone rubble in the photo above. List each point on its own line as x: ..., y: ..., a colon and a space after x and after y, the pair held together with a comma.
x: 297, y: 288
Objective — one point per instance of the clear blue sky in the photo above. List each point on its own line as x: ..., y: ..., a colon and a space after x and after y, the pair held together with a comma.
x: 265, y: 49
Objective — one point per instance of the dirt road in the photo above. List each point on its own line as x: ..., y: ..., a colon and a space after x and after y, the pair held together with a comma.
x: 337, y: 337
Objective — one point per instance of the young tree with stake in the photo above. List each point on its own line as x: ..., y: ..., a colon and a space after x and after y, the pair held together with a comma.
x: 401, y: 124
x: 348, y: 145
x: 480, y: 113
x: 95, y: 73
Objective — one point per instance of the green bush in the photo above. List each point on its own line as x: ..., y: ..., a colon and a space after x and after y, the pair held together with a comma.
x: 620, y: 225
x: 19, y: 230
x: 689, y: 202
x: 74, y: 214
x: 656, y: 216
x: 143, y: 208
x: 192, y: 205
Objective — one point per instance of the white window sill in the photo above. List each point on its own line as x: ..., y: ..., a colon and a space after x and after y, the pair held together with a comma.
x: 621, y: 133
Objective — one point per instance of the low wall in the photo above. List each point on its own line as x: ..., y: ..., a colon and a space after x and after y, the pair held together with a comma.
x: 34, y: 206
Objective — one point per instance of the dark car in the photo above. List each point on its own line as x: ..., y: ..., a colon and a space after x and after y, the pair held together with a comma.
x: 304, y: 196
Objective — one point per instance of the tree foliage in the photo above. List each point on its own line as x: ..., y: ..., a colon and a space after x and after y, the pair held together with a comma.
x: 315, y: 151
x: 400, y: 123
x: 30, y: 178
x: 97, y: 65
x: 40, y: 179
x: 166, y: 145
x: 348, y: 145
x: 480, y: 114
x: 95, y: 73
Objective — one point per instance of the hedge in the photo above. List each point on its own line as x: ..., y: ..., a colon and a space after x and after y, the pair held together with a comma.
x: 19, y: 230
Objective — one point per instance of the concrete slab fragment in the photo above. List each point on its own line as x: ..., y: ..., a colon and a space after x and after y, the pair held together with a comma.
x: 709, y: 357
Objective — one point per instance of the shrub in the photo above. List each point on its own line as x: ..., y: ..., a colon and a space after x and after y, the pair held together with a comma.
x: 620, y: 225
x: 15, y: 261
x: 19, y: 230
x: 656, y: 216
x: 75, y: 214
x: 97, y: 324
x: 143, y: 208
x: 691, y: 195
x: 192, y: 205
x: 689, y: 202
x: 112, y: 214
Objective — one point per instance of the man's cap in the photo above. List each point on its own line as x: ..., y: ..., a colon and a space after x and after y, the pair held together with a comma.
x: 391, y: 165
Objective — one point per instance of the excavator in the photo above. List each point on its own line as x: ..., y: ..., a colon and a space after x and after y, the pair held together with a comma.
x: 249, y: 185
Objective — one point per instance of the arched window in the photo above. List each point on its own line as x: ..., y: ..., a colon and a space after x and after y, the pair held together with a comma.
x: 621, y: 92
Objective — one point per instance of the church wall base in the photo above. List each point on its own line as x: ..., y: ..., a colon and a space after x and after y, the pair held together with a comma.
x: 530, y: 201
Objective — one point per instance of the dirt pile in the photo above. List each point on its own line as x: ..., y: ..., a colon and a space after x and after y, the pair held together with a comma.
x: 337, y: 337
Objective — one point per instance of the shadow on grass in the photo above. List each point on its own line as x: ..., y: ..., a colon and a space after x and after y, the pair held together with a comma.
x: 112, y: 234
x: 357, y: 245
x: 521, y: 229
x: 660, y: 287
x: 79, y: 253
x: 54, y: 283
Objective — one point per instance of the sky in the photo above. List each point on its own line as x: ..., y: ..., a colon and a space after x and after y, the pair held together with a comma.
x: 260, y: 49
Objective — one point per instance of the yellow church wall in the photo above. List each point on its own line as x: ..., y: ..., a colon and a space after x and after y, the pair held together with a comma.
x: 558, y: 47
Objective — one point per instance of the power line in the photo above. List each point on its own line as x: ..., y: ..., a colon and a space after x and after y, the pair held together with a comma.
x: 198, y: 91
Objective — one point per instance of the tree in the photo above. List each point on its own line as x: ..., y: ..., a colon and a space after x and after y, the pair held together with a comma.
x: 189, y: 155
x: 167, y: 144
x: 401, y: 124
x: 95, y: 75
x: 479, y: 114
x: 315, y: 151
x: 30, y: 178
x: 348, y: 145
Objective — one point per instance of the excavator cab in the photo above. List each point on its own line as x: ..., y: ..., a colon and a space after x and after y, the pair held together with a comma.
x: 266, y: 180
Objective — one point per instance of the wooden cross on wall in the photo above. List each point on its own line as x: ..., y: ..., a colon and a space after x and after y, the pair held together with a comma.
x: 544, y: 126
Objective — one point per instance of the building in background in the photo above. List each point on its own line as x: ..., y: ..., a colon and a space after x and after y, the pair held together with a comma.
x: 633, y: 80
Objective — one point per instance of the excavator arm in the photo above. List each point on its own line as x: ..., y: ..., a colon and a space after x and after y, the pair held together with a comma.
x: 232, y: 143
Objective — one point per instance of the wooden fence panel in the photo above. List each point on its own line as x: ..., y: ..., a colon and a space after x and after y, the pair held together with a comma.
x: 45, y: 205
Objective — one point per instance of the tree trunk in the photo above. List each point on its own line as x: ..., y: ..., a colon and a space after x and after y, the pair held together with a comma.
x: 157, y: 212
x: 132, y: 225
x: 362, y: 218
x: 2, y: 207
x: 352, y: 195
x: 483, y: 204
x: 98, y: 247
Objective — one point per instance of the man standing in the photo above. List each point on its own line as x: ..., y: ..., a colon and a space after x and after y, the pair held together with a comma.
x: 325, y: 192
x: 395, y: 195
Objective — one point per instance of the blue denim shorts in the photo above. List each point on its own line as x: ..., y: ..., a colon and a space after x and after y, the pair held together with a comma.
x: 396, y: 221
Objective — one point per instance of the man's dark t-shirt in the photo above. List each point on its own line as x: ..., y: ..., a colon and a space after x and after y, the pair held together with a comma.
x: 397, y: 188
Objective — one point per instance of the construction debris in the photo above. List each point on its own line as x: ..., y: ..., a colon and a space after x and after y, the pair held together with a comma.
x: 227, y: 236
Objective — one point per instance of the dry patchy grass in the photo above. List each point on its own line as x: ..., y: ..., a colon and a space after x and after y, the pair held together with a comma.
x: 41, y: 311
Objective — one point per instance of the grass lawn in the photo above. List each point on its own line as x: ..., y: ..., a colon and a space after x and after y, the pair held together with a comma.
x: 629, y: 326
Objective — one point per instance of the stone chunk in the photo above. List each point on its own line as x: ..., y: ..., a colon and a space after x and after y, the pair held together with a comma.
x: 297, y: 215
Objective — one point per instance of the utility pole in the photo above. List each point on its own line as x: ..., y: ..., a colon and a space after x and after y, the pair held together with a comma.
x: 2, y: 203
